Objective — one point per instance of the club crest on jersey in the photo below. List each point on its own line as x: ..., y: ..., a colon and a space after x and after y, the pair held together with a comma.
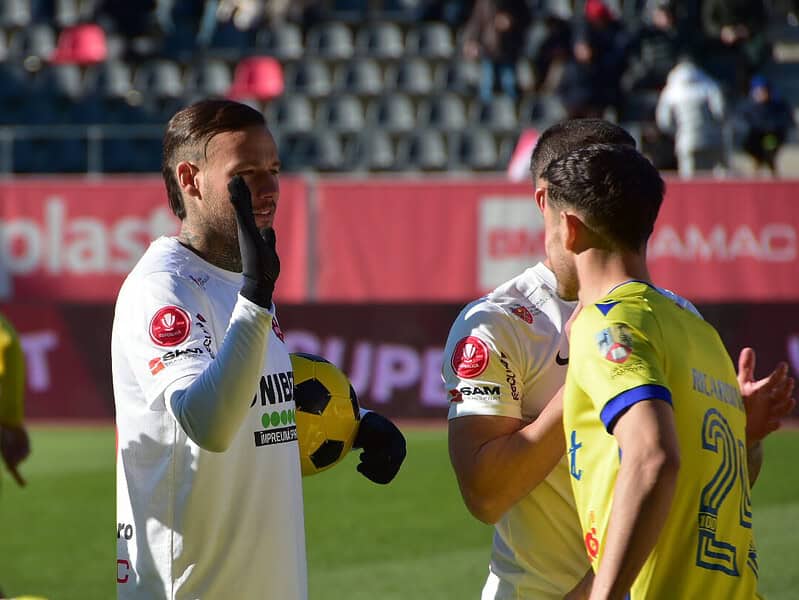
x: 521, y: 312
x: 276, y: 328
x: 170, y: 326
x: 615, y: 343
x: 470, y: 357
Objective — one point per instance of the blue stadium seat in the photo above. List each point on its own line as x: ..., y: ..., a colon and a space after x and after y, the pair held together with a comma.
x: 159, y: 78
x: 37, y: 41
x: 332, y: 41
x: 376, y: 152
x: 290, y: 114
x: 425, y: 150
x: 122, y: 155
x: 445, y: 111
x: 341, y: 114
x: 460, y: 76
x: 360, y: 76
x: 430, y: 40
x: 411, y: 76
x: 283, y: 42
x: 393, y: 113
x: 15, y: 13
x: 309, y: 77
x: 476, y: 150
x: 208, y: 77
x: 380, y: 40
x: 498, y: 115
x: 50, y: 156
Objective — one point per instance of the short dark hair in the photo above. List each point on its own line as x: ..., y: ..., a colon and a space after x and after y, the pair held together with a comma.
x: 613, y: 187
x: 188, y: 133
x: 571, y: 134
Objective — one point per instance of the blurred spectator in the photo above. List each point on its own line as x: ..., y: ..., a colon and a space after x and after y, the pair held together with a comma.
x: 654, y: 49
x: 585, y: 89
x: 555, y: 49
x: 738, y: 28
x: 495, y: 34
x: 766, y: 120
x: 691, y: 107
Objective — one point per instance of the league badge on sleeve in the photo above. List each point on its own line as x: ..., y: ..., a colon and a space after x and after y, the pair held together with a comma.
x: 615, y: 343
x: 170, y: 326
x: 470, y: 357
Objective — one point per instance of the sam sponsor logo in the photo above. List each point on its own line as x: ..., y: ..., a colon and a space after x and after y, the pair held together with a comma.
x: 159, y: 363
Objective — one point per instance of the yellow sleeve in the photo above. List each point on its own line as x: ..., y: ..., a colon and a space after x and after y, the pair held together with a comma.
x: 12, y: 377
x: 615, y: 362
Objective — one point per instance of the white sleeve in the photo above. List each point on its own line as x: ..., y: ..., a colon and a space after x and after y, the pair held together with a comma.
x: 211, y: 407
x: 481, y: 368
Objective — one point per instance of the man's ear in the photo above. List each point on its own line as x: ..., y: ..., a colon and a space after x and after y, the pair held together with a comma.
x: 540, y: 195
x: 573, y: 232
x: 187, y: 178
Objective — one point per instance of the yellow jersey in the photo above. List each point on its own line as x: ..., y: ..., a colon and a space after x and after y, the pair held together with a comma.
x: 12, y: 376
x: 636, y: 344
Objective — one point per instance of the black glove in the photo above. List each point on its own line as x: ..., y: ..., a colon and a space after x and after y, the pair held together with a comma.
x: 383, y: 448
x: 260, y: 264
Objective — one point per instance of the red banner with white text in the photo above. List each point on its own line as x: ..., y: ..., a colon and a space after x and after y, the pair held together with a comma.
x: 72, y: 239
x: 452, y: 240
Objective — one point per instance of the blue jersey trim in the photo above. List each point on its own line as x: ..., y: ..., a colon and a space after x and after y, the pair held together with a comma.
x: 617, y: 405
x: 604, y: 307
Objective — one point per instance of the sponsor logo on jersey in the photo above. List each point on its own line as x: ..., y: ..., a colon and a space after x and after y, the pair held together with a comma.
x: 276, y: 328
x: 124, y: 530
x: 615, y: 343
x: 479, y: 390
x: 573, y: 448
x: 199, y: 279
x: 207, y: 339
x: 269, y: 437
x: 170, y: 326
x: 521, y: 312
x: 123, y: 570
x: 510, y: 376
x: 275, y: 388
x: 470, y: 357
x: 275, y: 418
x: 160, y: 363
x: 591, y: 544
x: 455, y: 396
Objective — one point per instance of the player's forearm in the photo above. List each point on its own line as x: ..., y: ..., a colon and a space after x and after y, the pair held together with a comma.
x: 506, y: 469
x: 641, y: 502
x: 211, y: 409
x: 754, y: 461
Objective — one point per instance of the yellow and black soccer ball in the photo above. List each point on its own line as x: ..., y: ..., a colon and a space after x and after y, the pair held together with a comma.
x: 327, y: 412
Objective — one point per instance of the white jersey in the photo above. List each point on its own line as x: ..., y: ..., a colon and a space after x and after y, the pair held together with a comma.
x: 506, y: 355
x: 194, y: 523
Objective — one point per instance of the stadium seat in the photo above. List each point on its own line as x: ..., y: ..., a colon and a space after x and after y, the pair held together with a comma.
x: 310, y: 77
x: 425, y: 150
x: 392, y: 112
x: 445, y: 111
x: 50, y: 156
x: 330, y: 153
x: 360, y: 76
x: 460, y: 76
x: 110, y: 80
x: 35, y: 41
x: 430, y: 40
x: 66, y: 13
x: 542, y: 110
x: 15, y: 92
x: 15, y: 13
x: 283, y: 42
x: 3, y: 45
x: 259, y: 77
x: 411, y: 76
x: 477, y: 150
x: 159, y: 78
x: 290, y: 114
x: 341, y: 114
x: 376, y: 152
x: 229, y: 41
x: 332, y: 41
x: 380, y: 40
x: 209, y: 77
x: 498, y: 115
x: 82, y: 44
x: 137, y: 155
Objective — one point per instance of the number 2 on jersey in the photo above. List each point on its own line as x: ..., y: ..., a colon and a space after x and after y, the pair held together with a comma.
x: 712, y: 552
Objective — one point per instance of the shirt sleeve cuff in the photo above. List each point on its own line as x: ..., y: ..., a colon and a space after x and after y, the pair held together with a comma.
x: 617, y: 405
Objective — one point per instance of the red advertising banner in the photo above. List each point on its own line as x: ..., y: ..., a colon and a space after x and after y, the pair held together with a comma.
x: 392, y: 352
x: 448, y: 241
x: 71, y: 239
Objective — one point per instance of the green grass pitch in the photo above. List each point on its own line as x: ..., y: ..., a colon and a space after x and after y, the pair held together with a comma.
x: 411, y: 539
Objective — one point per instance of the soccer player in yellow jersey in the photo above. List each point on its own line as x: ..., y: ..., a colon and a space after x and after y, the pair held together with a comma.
x: 14, y: 444
x: 654, y: 422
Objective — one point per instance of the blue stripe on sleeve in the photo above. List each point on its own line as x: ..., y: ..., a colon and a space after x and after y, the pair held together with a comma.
x: 618, y: 404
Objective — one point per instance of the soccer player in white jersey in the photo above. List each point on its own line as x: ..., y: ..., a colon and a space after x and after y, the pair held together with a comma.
x: 207, y: 507
x: 505, y: 360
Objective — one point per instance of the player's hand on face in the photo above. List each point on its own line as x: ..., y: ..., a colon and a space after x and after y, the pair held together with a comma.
x: 383, y: 448
x: 259, y: 261
x: 767, y: 401
x: 14, y: 448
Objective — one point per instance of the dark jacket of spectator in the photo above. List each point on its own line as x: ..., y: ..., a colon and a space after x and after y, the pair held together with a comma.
x: 654, y: 50
x: 498, y: 27
x: 766, y: 120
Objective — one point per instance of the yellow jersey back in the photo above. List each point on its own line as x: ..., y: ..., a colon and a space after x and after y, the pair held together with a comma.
x: 636, y: 344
